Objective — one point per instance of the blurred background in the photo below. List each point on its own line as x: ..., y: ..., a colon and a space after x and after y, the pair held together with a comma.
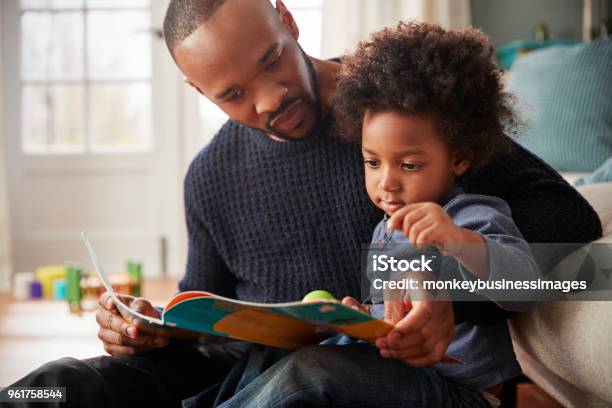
x: 97, y: 130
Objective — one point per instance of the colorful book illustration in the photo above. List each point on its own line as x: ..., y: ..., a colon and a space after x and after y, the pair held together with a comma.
x: 286, y: 325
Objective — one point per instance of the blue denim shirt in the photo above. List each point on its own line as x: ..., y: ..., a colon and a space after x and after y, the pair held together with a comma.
x: 486, y: 350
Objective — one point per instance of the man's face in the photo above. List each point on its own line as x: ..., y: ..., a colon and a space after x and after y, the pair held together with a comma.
x: 245, y: 60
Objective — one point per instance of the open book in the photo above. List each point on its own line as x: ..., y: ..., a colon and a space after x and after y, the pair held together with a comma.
x: 286, y: 325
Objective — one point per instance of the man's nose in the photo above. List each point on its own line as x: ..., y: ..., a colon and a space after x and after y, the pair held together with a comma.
x: 388, y: 181
x: 270, y: 99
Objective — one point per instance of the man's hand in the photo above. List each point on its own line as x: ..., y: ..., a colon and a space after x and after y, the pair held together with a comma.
x: 421, y: 337
x: 120, y: 337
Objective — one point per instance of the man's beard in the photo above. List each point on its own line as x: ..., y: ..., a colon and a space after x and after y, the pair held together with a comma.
x: 311, y: 104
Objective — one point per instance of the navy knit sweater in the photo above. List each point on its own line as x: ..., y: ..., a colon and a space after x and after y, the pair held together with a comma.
x: 270, y: 221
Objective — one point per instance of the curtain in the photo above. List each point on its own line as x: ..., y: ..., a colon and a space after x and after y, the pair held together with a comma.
x: 5, y: 272
x: 345, y: 22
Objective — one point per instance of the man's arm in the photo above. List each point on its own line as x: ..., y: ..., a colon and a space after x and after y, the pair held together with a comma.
x: 544, y: 206
x: 206, y: 269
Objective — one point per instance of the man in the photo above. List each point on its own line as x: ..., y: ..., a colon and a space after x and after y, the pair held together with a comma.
x: 275, y: 207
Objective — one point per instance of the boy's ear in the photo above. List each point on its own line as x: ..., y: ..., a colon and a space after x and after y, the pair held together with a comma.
x: 287, y: 19
x: 191, y: 84
x: 461, y: 163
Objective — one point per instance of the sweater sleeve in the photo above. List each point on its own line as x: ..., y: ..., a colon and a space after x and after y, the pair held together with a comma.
x: 206, y: 269
x: 545, y: 207
x: 509, y: 256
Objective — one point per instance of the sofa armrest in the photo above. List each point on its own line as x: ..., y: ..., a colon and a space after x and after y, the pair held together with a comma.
x: 566, y: 348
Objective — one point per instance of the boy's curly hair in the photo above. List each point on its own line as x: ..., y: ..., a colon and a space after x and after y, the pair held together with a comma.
x: 421, y: 68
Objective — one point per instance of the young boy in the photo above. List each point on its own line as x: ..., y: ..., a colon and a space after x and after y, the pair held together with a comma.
x: 428, y: 107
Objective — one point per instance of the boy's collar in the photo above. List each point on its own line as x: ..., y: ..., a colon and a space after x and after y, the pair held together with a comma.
x: 451, y: 194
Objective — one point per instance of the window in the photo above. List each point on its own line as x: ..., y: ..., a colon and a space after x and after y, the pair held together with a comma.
x: 308, y: 16
x: 85, y: 76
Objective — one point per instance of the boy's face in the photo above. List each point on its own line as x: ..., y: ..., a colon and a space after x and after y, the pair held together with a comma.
x: 406, y: 161
x: 246, y: 60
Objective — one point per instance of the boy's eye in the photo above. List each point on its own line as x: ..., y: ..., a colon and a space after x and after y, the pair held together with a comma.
x: 373, y: 164
x: 235, y: 96
x: 410, y: 166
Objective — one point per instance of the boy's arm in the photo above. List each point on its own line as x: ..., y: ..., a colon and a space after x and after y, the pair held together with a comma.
x: 479, y: 233
x: 492, y: 248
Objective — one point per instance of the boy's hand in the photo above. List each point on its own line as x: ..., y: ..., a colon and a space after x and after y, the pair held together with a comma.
x: 426, y: 224
x: 120, y: 337
x: 355, y: 304
x: 422, y: 336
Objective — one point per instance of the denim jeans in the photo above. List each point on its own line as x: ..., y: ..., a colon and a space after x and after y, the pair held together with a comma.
x: 160, y: 378
x: 352, y: 375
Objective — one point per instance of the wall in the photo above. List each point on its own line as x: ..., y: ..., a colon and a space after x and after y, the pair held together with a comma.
x: 508, y: 20
x: 345, y: 22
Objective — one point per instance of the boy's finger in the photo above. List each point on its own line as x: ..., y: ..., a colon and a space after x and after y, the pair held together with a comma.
x: 414, y: 321
x: 412, y: 218
x: 355, y: 304
x: 410, y: 352
x: 394, y: 311
x: 350, y: 301
x: 424, y: 237
x: 437, y: 355
x: 405, y: 341
x: 396, y: 220
x: 417, y: 229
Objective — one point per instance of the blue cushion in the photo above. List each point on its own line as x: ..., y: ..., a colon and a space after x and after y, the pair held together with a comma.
x: 602, y: 175
x: 565, y: 94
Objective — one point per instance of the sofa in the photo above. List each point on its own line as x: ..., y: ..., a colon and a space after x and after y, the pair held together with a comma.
x: 565, y: 96
x: 566, y: 347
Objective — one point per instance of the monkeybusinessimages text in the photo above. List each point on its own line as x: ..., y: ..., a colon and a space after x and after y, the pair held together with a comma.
x: 391, y: 265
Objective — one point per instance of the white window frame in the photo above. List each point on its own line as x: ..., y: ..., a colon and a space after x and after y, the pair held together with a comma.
x: 86, y: 82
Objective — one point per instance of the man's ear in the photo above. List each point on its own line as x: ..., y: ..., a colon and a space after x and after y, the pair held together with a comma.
x: 287, y: 19
x: 191, y: 84
x: 461, y: 163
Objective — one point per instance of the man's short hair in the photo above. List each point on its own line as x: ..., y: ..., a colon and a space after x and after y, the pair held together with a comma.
x: 183, y: 17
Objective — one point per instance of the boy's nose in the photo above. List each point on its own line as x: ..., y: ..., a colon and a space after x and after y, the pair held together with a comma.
x: 388, y: 181
x: 270, y: 99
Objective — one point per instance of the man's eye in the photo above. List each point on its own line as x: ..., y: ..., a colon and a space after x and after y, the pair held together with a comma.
x: 410, y: 166
x: 235, y: 96
x: 273, y: 63
x: 373, y: 164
